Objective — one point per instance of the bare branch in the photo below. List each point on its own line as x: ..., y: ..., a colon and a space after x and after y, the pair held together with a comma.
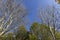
x: 13, y: 13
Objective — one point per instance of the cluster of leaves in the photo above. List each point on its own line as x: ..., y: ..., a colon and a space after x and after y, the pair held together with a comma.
x: 37, y: 32
x: 58, y: 1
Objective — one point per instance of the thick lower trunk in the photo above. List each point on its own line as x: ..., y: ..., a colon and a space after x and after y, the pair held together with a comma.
x: 52, y: 33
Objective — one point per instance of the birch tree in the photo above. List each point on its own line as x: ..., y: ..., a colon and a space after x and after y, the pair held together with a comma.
x: 12, y: 15
x: 50, y: 16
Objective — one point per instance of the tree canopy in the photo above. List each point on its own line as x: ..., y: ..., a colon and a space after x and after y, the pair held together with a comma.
x: 37, y: 32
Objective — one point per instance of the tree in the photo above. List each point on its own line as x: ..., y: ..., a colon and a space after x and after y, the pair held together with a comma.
x: 9, y: 36
x: 35, y: 29
x: 21, y: 33
x: 32, y: 37
x: 41, y: 31
x: 57, y: 35
x: 37, y: 32
x: 45, y: 32
x: 13, y: 14
x: 50, y: 16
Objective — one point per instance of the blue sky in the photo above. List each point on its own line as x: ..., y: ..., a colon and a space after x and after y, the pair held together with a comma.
x: 33, y: 7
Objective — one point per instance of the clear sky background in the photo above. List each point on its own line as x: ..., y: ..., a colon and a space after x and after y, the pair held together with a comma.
x: 33, y: 8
